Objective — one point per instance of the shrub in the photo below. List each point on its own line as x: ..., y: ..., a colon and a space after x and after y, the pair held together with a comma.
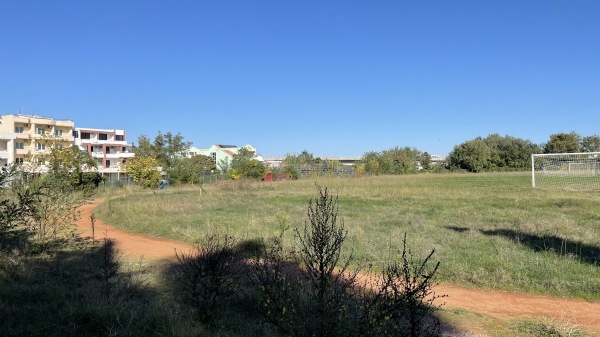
x: 209, y: 274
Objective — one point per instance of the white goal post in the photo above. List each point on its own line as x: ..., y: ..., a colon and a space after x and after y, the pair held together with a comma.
x: 578, y: 171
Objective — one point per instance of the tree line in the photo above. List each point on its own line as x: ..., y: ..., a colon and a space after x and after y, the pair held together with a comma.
x: 501, y: 153
x: 167, y: 153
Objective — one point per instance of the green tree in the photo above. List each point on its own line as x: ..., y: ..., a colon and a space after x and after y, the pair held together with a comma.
x: 473, y: 155
x: 304, y: 158
x: 590, y: 144
x: 510, y: 152
x: 399, y: 160
x: 563, y: 143
x: 203, y: 164
x: 72, y: 168
x: 425, y: 161
x: 245, y: 165
x: 371, y: 161
x: 144, y: 171
x: 182, y: 171
x: 165, y: 148
x: 143, y: 147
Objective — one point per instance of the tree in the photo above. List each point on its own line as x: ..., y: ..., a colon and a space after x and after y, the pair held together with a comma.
x: 370, y: 160
x: 399, y: 160
x: 563, y: 143
x: 203, y: 164
x: 143, y: 147
x: 473, y: 155
x: 510, y: 152
x: 425, y: 161
x: 71, y: 168
x: 144, y: 171
x: 590, y: 144
x: 304, y: 158
x: 165, y: 148
x: 244, y: 165
x: 182, y: 171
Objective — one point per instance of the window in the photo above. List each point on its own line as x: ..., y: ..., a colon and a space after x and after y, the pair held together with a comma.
x: 19, y: 145
x: 123, y: 149
x: 58, y: 133
x: 86, y: 135
x: 119, y: 138
x: 41, y: 147
x: 213, y: 155
x: 40, y: 131
x: 19, y: 129
x: 19, y: 160
x: 108, y: 163
x: 103, y: 136
x: 76, y: 134
x: 59, y: 146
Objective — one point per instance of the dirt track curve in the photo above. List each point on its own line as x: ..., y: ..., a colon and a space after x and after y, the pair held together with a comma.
x: 499, y: 304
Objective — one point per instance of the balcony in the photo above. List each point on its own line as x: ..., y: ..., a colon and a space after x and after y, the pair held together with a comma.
x: 120, y: 154
x: 112, y: 155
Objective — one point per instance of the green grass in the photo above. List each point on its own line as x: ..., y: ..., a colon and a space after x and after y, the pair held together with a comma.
x: 489, y: 230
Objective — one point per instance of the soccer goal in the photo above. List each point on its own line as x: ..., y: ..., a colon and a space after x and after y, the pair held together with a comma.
x: 578, y: 171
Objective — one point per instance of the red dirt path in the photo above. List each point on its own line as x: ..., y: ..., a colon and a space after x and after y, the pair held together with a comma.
x: 498, y: 304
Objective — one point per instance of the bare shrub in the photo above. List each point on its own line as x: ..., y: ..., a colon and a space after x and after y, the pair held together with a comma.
x: 408, y: 296
x: 320, y: 296
x: 208, y: 274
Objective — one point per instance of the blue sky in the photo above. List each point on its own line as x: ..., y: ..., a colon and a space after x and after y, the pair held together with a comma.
x: 337, y: 78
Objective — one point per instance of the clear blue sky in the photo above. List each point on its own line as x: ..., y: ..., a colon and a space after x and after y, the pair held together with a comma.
x: 337, y: 78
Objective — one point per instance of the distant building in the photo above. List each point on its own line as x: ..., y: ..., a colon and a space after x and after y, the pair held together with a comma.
x: 28, y: 139
x: 107, y: 146
x: 221, y: 154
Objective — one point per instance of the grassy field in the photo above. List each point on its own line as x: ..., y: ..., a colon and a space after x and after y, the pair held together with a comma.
x: 488, y: 230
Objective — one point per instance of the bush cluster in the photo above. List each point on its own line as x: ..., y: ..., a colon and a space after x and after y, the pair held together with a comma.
x: 309, y: 290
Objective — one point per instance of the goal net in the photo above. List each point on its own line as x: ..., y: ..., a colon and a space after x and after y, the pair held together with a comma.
x: 566, y: 170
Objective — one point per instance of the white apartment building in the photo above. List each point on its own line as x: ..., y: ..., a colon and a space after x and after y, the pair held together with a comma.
x: 27, y: 139
x: 107, y: 146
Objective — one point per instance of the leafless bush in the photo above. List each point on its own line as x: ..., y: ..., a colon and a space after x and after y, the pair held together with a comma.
x: 209, y: 274
x: 321, y: 296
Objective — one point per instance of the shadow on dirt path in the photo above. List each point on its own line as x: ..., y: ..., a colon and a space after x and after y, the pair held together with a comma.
x: 499, y: 304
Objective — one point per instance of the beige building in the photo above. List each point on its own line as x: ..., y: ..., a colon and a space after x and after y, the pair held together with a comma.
x: 27, y: 139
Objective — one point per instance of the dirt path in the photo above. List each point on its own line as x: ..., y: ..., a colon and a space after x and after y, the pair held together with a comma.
x: 499, y: 304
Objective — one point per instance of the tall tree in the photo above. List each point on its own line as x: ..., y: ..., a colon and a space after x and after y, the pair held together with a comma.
x: 473, y: 155
x: 563, y: 143
x: 165, y: 148
x: 590, y: 144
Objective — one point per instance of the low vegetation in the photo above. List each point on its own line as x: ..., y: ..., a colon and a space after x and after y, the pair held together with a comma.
x: 490, y: 230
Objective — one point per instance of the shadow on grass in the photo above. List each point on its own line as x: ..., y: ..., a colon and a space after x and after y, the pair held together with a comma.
x: 75, y: 290
x: 458, y: 229
x: 80, y: 289
x: 563, y: 247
